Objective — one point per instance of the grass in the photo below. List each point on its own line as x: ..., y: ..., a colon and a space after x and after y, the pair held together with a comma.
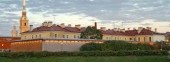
x: 91, y: 59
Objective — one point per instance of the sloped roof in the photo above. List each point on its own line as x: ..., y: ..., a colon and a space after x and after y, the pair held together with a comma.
x: 111, y: 32
x: 46, y: 28
x: 56, y: 28
x: 73, y: 29
x: 131, y: 33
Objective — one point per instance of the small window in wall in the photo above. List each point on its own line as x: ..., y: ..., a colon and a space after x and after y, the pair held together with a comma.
x: 25, y: 37
x: 130, y: 38
x: 115, y: 38
x: 55, y: 35
x: 135, y: 39
x: 67, y: 36
x: 63, y: 36
x: 150, y: 39
x: 74, y: 36
x: 36, y: 36
x: 139, y: 39
x: 144, y: 39
x: 40, y: 36
x: 25, y: 24
x: 32, y: 36
x: 78, y: 36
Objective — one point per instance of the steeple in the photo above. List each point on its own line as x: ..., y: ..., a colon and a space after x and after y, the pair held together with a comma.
x: 24, y: 20
x: 14, y: 32
x: 24, y: 8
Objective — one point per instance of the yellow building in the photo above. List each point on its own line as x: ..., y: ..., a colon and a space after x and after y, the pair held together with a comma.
x: 52, y: 31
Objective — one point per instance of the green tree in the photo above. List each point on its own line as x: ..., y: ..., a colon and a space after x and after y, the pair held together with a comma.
x: 91, y: 33
x: 91, y: 47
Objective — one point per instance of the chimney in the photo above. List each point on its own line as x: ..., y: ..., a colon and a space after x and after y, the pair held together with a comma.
x: 50, y: 23
x: 62, y: 25
x: 95, y: 25
x: 103, y: 28
x: 123, y: 30
x: 149, y: 28
x: 78, y: 26
x: 155, y: 29
x: 115, y: 29
x: 45, y: 24
x: 119, y: 29
x: 69, y: 25
x: 128, y: 29
x: 140, y: 29
x: 31, y: 27
x: 134, y: 28
x: 54, y: 25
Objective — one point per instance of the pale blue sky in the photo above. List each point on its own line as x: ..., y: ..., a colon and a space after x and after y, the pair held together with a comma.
x: 134, y: 13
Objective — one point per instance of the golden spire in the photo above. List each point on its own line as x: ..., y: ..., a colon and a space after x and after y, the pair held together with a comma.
x: 24, y: 20
x: 24, y: 8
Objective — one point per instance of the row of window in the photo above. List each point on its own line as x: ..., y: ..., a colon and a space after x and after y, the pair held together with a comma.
x: 56, y: 36
x: 138, y: 39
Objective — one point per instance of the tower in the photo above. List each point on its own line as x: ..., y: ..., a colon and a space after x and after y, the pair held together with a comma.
x: 24, y: 20
x: 14, y: 32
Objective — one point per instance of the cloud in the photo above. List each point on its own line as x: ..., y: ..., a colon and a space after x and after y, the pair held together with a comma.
x: 133, y: 12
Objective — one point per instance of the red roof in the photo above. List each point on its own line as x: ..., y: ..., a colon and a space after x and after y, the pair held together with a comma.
x: 56, y: 28
x: 146, y: 32
x: 131, y: 33
x: 112, y: 32
x: 46, y: 28
x: 73, y: 29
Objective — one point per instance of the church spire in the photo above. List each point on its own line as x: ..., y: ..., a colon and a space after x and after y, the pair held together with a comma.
x: 24, y: 20
x: 24, y: 8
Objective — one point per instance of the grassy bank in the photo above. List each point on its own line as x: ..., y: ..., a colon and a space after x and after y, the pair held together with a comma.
x: 91, y: 59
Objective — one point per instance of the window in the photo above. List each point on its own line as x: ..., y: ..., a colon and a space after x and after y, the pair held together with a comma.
x: 139, y: 39
x: 32, y: 36
x: 150, y: 39
x: 135, y: 39
x: 74, y: 36
x: 36, y: 36
x: 25, y: 37
x: 67, y: 36
x: 78, y: 36
x: 130, y: 38
x: 25, y: 24
x: 144, y: 39
x: 115, y: 38
x: 40, y: 35
x: 63, y: 36
x: 55, y: 35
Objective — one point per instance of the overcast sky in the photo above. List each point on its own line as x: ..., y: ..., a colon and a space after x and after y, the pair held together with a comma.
x: 108, y: 13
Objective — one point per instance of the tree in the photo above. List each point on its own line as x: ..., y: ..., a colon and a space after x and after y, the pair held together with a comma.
x: 91, y: 33
x: 91, y: 47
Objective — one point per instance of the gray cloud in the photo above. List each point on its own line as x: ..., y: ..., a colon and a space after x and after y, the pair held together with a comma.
x: 106, y: 10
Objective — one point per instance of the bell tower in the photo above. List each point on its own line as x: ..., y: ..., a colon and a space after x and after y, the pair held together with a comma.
x: 24, y: 20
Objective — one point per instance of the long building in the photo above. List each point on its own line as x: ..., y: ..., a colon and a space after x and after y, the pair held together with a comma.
x: 51, y: 37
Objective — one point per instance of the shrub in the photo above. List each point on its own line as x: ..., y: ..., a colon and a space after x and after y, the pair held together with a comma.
x: 85, y: 53
x: 114, y: 46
